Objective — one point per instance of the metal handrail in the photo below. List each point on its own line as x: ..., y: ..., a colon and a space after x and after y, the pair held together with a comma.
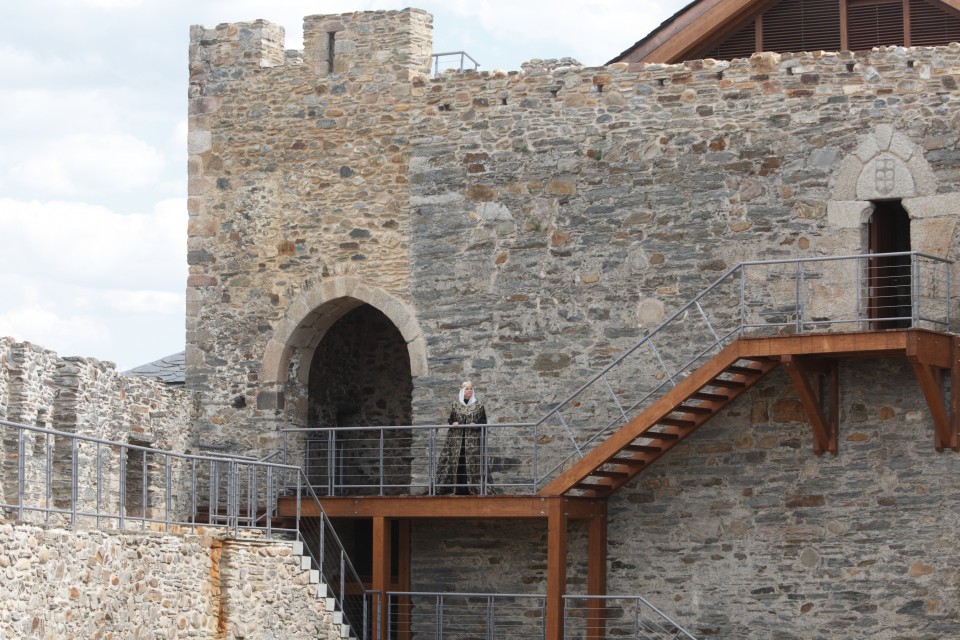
x: 463, y: 57
x: 111, y: 485
x: 496, y: 615
x: 914, y: 318
x: 644, y: 627
x: 791, y: 295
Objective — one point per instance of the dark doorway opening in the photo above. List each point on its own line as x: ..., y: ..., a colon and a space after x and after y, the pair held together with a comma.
x: 890, y: 300
x: 360, y: 378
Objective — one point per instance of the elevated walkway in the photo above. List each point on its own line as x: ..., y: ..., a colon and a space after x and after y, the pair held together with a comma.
x: 807, y: 315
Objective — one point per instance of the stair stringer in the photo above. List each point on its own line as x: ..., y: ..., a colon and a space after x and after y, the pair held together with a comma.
x: 600, y: 460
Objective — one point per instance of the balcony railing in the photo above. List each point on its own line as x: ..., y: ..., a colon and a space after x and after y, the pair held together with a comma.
x: 831, y: 294
x: 64, y: 479
x: 489, y: 616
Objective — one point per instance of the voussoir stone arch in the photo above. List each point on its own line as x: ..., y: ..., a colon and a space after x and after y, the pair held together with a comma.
x: 315, y: 310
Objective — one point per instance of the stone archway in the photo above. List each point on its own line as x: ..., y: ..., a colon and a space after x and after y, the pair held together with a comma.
x: 312, y: 313
x: 887, y: 165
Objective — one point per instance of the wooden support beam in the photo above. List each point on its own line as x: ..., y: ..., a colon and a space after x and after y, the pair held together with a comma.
x: 824, y: 427
x: 954, y: 442
x: 556, y: 566
x: 597, y: 572
x: 403, y: 581
x: 381, y: 574
x: 931, y: 384
x: 472, y: 507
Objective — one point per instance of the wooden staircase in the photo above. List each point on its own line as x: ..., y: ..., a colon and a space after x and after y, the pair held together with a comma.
x: 737, y: 368
x: 673, y: 417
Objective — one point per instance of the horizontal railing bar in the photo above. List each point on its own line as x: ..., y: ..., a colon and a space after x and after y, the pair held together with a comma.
x: 135, y: 447
x: 411, y: 427
x: 466, y: 594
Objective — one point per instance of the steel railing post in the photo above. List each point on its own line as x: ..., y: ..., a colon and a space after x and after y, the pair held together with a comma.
x: 915, y: 291
x: 483, y: 460
x: 743, y: 295
x: 799, y: 293
x: 382, y: 435
x: 99, y: 484
x: 143, y: 491
x: 168, y: 492
x: 271, y: 499
x: 858, y: 267
x: 74, y: 481
x: 331, y: 463
x: 122, y: 486
x: 343, y: 577
x: 949, y: 297
x: 536, y: 456
x: 21, y: 472
x: 193, y: 492
x: 432, y: 461
x: 48, y: 490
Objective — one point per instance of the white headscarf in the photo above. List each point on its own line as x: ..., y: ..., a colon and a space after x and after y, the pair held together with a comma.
x: 473, y: 398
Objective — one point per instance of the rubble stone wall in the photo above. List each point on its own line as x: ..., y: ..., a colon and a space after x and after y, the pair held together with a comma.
x: 87, y: 397
x: 89, y: 584
x: 527, y: 227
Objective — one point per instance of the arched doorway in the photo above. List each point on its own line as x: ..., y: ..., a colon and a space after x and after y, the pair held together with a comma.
x: 359, y: 377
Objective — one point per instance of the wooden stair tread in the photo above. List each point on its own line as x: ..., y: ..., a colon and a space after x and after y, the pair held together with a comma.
x: 677, y: 422
x: 727, y: 384
x: 710, y: 397
x: 603, y: 473
x: 693, y: 409
x: 632, y: 462
x: 590, y: 486
x: 644, y: 448
x: 743, y: 371
x: 658, y: 435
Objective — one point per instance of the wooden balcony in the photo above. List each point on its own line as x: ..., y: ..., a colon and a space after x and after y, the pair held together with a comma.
x: 580, y: 493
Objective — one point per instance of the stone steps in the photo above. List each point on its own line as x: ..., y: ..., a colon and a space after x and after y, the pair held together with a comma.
x: 323, y: 592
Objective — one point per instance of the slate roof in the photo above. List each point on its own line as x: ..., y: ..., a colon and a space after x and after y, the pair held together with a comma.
x: 169, y: 370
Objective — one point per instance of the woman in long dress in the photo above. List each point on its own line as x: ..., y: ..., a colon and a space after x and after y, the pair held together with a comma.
x: 459, y: 465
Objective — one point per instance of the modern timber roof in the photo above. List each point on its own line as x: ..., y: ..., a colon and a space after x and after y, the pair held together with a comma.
x: 726, y: 29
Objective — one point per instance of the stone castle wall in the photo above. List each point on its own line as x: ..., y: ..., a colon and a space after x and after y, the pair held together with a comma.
x: 288, y: 191
x: 522, y: 229
x: 90, y: 584
x: 87, y: 397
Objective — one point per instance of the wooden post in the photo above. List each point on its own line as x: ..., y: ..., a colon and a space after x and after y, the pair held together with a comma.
x: 556, y: 566
x: 954, y: 442
x: 403, y: 580
x: 381, y: 574
x: 597, y: 572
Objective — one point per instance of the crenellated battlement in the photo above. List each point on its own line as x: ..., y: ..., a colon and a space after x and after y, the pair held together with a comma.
x: 815, y: 77
x: 398, y: 43
x: 258, y: 43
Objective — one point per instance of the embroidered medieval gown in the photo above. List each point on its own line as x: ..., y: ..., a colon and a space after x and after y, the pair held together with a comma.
x: 459, y: 464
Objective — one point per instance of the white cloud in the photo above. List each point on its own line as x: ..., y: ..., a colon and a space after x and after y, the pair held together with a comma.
x: 93, y: 246
x: 594, y: 31
x: 87, y: 164
x: 66, y: 334
x: 25, y: 63
x: 100, y: 4
x: 27, y: 110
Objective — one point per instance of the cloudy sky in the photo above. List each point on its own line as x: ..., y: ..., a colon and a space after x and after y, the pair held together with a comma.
x: 93, y: 145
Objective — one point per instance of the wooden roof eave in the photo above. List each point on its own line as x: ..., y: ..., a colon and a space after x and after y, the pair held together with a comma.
x: 705, y: 21
x: 699, y: 22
